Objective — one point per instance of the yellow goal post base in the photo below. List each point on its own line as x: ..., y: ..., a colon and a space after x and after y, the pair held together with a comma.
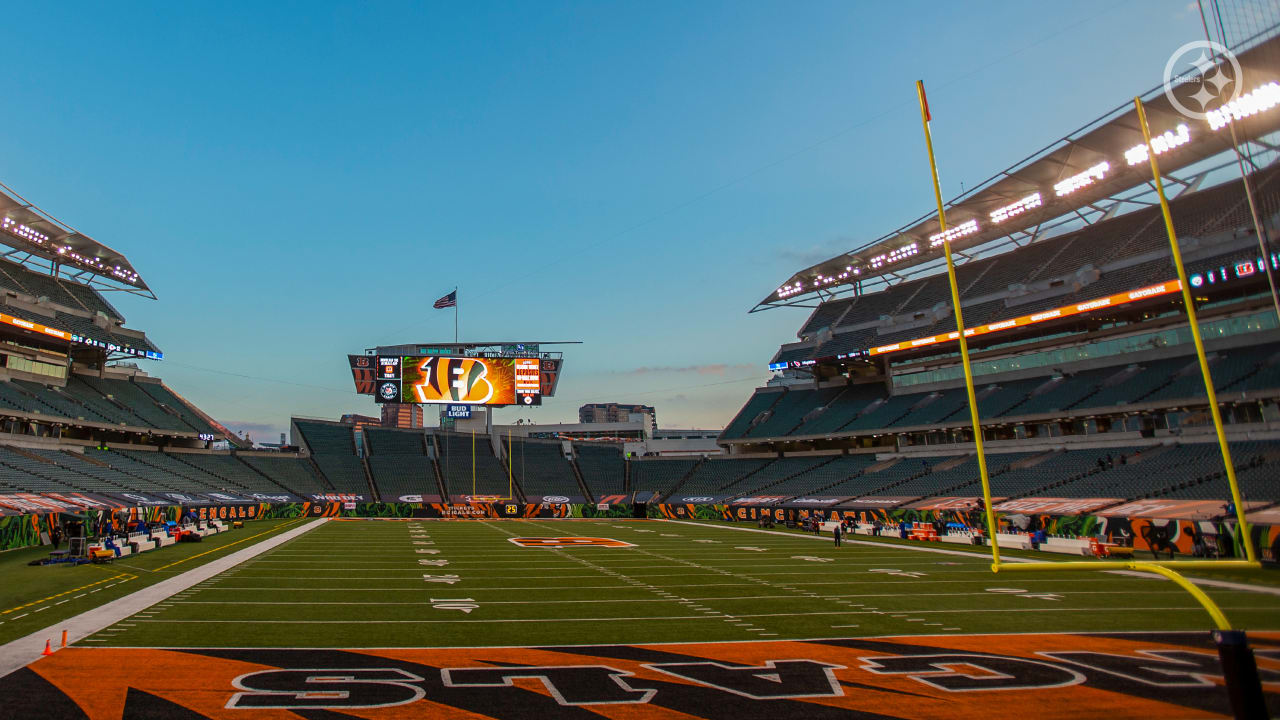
x: 1167, y: 569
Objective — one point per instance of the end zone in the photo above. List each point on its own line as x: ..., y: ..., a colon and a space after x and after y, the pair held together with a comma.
x: 1132, y: 675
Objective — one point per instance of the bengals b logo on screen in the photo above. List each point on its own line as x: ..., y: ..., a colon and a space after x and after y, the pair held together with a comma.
x: 459, y: 380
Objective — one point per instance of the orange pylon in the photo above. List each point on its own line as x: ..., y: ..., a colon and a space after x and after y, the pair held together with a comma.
x: 48, y: 647
x: 64, y: 638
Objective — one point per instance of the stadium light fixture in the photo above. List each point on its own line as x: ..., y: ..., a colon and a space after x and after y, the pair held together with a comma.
x: 953, y: 233
x: 1161, y: 144
x: 1029, y: 202
x: 13, y: 227
x: 1083, y: 179
x: 1249, y: 104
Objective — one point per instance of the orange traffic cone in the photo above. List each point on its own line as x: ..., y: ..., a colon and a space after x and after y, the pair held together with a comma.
x: 48, y: 647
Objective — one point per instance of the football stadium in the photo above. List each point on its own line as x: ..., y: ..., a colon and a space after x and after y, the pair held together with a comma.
x: 1022, y: 457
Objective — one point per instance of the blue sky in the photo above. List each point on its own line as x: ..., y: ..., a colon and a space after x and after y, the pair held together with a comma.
x: 297, y: 181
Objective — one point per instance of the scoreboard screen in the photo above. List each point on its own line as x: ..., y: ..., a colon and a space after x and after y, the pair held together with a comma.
x: 441, y: 380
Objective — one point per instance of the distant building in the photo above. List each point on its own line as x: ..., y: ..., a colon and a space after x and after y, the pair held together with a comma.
x: 617, y: 412
x: 359, y: 421
x: 399, y: 415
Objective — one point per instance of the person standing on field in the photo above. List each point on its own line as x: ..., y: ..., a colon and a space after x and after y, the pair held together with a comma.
x: 835, y: 532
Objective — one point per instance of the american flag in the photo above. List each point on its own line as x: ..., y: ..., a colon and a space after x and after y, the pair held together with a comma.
x: 448, y: 301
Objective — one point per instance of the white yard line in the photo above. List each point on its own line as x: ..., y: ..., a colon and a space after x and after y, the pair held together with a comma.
x: 1264, y: 589
x: 20, y: 652
x: 649, y: 600
x: 691, y: 617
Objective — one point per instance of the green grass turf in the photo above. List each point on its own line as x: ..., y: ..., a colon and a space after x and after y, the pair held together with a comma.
x: 32, y: 598
x: 360, y: 584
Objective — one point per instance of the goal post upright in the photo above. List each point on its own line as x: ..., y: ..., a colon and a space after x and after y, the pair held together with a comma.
x: 1167, y: 569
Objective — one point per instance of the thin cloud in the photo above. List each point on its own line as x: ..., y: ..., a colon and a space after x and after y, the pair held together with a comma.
x: 255, y: 429
x: 717, y: 369
x: 814, y: 254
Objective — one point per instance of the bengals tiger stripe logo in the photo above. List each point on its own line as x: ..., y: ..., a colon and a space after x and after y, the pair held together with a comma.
x: 459, y: 380
x: 567, y: 542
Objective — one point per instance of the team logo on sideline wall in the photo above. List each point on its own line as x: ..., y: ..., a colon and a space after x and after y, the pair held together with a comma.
x: 568, y: 542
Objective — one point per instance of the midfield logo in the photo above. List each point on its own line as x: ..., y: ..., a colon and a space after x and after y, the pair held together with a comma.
x: 567, y: 542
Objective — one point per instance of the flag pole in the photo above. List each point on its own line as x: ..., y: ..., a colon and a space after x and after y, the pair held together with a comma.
x: 455, y: 313
x: 964, y: 345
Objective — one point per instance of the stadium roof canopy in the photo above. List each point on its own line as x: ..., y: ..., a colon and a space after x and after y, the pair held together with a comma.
x: 34, y: 234
x: 1076, y: 178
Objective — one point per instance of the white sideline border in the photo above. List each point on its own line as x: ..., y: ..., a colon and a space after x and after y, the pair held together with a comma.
x: 1224, y: 584
x: 19, y: 653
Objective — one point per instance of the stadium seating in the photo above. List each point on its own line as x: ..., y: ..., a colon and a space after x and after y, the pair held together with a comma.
x: 826, y: 315
x: 603, y: 468
x: 231, y: 473
x: 486, y: 476
x: 866, y: 408
x: 157, y: 472
x: 293, y: 474
x: 543, y: 469
x: 333, y: 450
x: 717, y: 476
x: 136, y: 402
x: 166, y: 398
x: 791, y: 409
x: 843, y: 408
x: 758, y: 403
x: 661, y: 476
x: 776, y: 472
x: 399, y: 464
x: 1120, y: 248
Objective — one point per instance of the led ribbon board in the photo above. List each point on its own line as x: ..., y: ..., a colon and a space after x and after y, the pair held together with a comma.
x: 1150, y: 291
x: 76, y: 338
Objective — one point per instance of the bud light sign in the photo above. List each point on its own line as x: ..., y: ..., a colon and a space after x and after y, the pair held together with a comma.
x: 461, y: 412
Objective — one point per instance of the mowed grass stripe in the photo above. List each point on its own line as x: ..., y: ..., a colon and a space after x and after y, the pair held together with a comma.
x: 619, y: 597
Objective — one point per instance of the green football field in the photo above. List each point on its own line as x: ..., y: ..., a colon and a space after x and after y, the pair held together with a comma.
x: 34, y: 597
x: 423, y: 583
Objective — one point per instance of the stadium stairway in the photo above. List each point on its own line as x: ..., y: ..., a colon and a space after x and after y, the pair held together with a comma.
x: 921, y: 469
x: 399, y: 464
x: 645, y: 476
x: 970, y: 478
x: 517, y: 488
x: 152, y: 477
x: 791, y: 472
x: 759, y: 409
x: 683, y: 480
x: 743, y: 478
x: 840, y: 488
x: 582, y: 484
x: 298, y: 475
x: 454, y: 457
x: 603, y: 468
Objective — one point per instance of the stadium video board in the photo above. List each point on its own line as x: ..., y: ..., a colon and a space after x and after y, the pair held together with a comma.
x: 450, y: 380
